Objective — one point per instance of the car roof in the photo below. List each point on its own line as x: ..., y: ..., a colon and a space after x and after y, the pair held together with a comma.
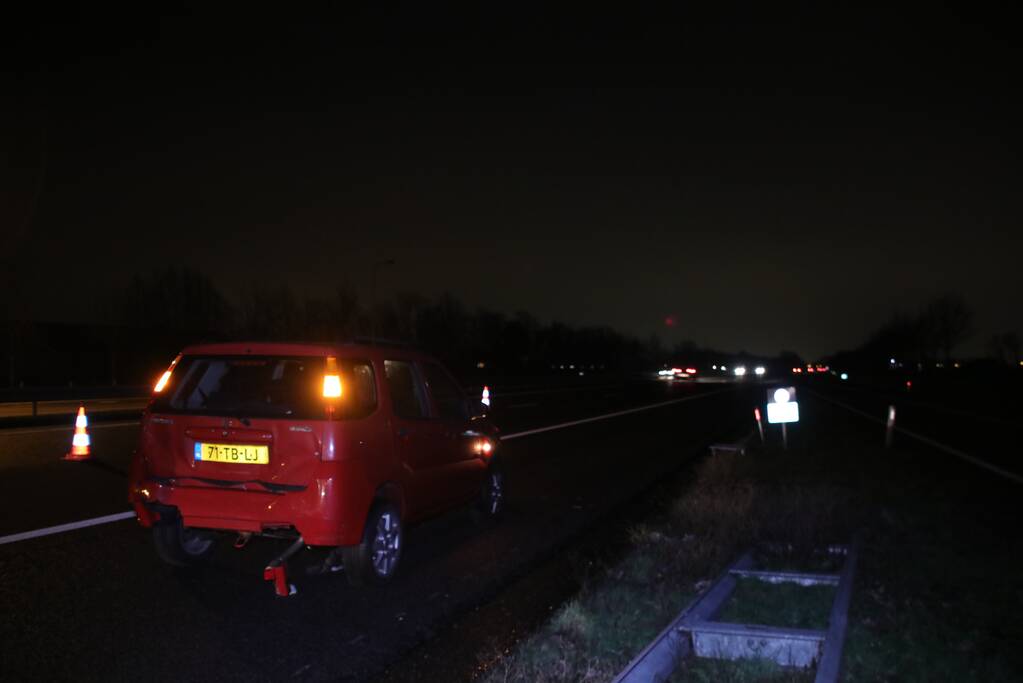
x: 274, y: 348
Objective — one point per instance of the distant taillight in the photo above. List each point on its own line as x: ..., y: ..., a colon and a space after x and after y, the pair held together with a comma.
x: 691, y: 371
x: 332, y: 379
x: 483, y: 447
x: 165, y: 377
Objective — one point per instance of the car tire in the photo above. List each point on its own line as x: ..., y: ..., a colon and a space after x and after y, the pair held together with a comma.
x: 376, y: 558
x: 489, y: 505
x: 180, y: 546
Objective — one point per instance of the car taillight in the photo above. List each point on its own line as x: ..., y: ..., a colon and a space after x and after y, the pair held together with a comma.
x: 691, y: 371
x: 483, y: 446
x: 332, y: 379
x: 165, y: 377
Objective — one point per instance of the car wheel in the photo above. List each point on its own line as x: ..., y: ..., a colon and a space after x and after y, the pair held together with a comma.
x: 180, y: 546
x: 376, y: 559
x: 489, y: 506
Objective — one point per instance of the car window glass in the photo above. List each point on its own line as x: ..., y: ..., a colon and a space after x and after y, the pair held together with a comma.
x: 406, y: 390
x: 266, y: 386
x: 359, y: 397
x: 250, y: 386
x: 446, y: 394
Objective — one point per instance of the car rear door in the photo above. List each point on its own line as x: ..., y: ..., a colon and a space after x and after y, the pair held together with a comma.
x: 417, y: 438
x: 462, y: 470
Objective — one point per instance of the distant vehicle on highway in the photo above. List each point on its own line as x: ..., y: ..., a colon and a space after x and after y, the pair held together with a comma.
x: 338, y: 446
x: 687, y: 372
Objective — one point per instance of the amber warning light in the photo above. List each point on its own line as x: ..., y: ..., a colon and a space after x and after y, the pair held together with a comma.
x: 165, y: 377
x: 332, y: 380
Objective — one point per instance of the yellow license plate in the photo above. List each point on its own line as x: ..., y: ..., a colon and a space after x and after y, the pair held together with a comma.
x: 232, y: 452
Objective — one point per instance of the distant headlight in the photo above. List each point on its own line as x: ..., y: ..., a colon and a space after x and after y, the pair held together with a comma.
x: 740, y: 371
x: 759, y: 370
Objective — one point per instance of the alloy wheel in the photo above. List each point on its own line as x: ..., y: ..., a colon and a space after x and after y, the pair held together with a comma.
x: 386, y: 544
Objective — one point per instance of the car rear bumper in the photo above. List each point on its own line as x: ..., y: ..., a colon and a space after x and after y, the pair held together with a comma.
x: 315, y: 512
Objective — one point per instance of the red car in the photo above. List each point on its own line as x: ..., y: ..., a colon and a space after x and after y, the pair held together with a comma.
x: 332, y: 445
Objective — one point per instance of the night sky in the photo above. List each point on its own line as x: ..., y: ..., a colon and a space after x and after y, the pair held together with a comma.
x: 772, y: 181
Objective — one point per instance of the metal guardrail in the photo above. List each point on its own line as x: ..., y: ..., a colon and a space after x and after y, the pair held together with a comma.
x: 39, y: 408
x: 72, y: 393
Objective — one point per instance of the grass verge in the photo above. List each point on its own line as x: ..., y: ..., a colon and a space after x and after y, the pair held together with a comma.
x: 935, y: 597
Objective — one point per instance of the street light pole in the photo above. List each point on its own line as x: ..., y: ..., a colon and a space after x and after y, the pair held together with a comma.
x: 373, y: 295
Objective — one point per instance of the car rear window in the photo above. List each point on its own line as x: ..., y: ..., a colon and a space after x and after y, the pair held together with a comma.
x: 266, y: 387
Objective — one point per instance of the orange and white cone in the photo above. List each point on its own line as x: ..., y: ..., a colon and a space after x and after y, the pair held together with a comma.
x: 80, y: 441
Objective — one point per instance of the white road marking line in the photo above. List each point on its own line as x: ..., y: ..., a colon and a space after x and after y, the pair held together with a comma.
x: 24, y: 536
x: 61, y: 528
x: 973, y: 460
x: 607, y: 416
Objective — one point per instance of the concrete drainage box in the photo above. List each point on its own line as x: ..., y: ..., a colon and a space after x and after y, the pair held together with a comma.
x: 695, y: 632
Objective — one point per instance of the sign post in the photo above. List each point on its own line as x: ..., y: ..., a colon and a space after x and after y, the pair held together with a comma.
x: 782, y: 408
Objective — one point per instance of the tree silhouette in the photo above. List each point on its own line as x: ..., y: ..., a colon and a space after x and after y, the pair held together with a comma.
x: 947, y: 321
x: 175, y: 299
x: 272, y: 313
x: 1006, y: 347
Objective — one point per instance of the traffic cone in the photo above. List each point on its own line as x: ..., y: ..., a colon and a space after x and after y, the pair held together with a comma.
x: 80, y: 442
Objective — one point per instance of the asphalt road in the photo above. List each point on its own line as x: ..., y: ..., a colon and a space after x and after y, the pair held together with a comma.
x: 959, y: 424
x: 97, y: 604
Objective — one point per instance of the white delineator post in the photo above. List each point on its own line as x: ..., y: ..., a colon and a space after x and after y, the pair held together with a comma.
x: 889, y: 430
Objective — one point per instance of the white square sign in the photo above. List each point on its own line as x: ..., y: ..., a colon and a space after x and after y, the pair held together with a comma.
x: 782, y: 406
x: 783, y: 412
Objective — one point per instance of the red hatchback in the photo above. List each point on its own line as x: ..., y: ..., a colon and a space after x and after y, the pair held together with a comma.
x: 335, y: 446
